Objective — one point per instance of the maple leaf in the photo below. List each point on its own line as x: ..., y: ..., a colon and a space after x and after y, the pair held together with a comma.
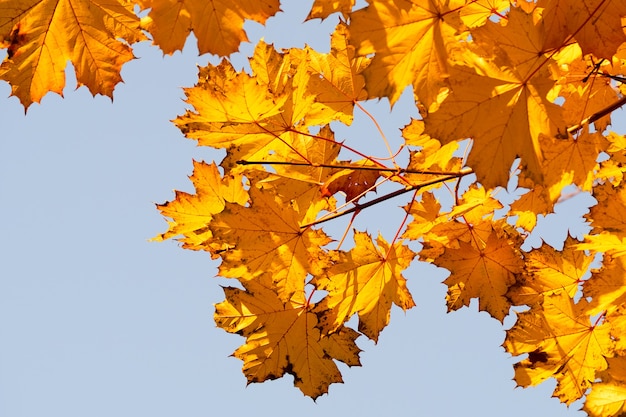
x: 571, y: 161
x: 484, y: 270
x: 301, y: 186
x: 608, y: 220
x: 266, y: 238
x: 607, y: 286
x: 561, y: 342
x: 283, y: 337
x: 606, y: 399
x: 431, y: 158
x: 217, y: 24
x: 477, y: 13
x: 321, y: 9
x: 535, y: 200
x: 336, y: 81
x: 613, y: 169
x: 512, y: 109
x: 355, y: 183
x: 258, y: 118
x: 595, y: 24
x: 408, y: 39
x: 425, y: 215
x: 469, y: 221
x: 584, y: 95
x: 366, y: 281
x: 549, y: 271
x: 43, y: 35
x: 192, y: 213
x: 232, y: 110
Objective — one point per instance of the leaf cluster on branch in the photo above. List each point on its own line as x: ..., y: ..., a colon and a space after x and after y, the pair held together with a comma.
x: 513, y: 95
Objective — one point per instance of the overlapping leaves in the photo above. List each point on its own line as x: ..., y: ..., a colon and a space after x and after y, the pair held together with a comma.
x: 519, y: 94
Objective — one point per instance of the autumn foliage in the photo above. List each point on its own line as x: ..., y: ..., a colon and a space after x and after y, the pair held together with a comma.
x: 515, y: 100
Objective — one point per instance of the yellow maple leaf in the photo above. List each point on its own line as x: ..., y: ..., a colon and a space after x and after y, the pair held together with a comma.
x: 43, y: 35
x: 469, y: 221
x: 606, y: 399
x: 336, y: 81
x: 321, y: 9
x: 230, y: 109
x: 284, y: 337
x: 477, y: 13
x: 301, y: 186
x: 480, y: 92
x: 549, y: 271
x: 192, y: 213
x: 585, y: 95
x: 217, y: 24
x: 259, y: 118
x: 561, y: 342
x: 366, y: 281
x: 607, y: 286
x: 613, y: 169
x: 595, y: 24
x: 608, y: 219
x: 608, y: 396
x: 535, y: 200
x: 483, y: 270
x: 266, y: 238
x: 408, y: 38
x: 431, y: 158
x: 571, y: 161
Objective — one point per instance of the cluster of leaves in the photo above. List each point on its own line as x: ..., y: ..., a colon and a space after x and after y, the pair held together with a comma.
x: 509, y: 93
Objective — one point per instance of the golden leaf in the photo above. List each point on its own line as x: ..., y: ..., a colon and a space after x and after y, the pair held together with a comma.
x: 595, y: 24
x: 217, y: 25
x: 283, y: 337
x: 408, y: 38
x: 561, y: 342
x: 482, y: 270
x: 366, y: 281
x: 550, y: 271
x: 266, y: 238
x: 192, y: 213
x: 321, y: 9
x: 43, y: 35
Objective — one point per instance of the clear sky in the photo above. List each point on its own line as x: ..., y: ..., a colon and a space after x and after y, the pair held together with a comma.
x: 95, y: 321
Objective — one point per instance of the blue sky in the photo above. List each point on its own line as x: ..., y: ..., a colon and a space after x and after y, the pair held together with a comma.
x: 95, y: 320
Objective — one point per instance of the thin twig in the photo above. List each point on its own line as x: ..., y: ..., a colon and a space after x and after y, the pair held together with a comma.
x: 359, y: 207
x: 354, y: 167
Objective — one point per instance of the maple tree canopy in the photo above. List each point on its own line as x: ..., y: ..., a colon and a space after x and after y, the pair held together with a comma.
x: 515, y: 99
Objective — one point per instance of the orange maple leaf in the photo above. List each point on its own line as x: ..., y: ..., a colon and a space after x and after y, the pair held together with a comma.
x: 217, y: 25
x: 321, y: 9
x: 512, y: 109
x: 192, y: 213
x: 561, y: 342
x: 608, y: 397
x: 43, y: 35
x: 408, y: 38
x: 337, y: 81
x: 549, y: 271
x: 284, y: 337
x: 266, y: 238
x: 607, y: 286
x: 595, y: 24
x: 484, y: 270
x: 366, y: 281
